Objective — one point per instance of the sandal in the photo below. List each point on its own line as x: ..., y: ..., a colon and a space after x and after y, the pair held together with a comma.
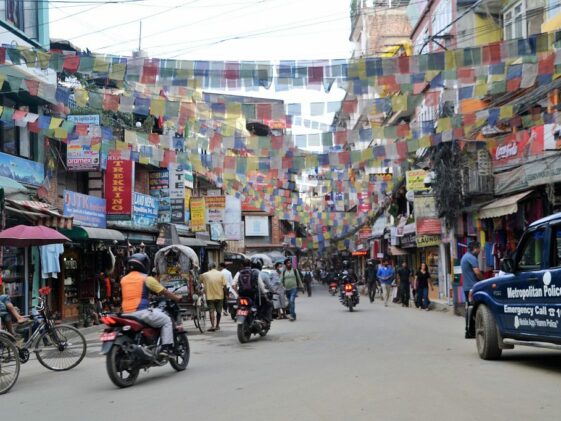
x: 211, y: 329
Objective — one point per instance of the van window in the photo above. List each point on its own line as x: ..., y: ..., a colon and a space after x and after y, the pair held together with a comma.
x: 556, y: 246
x: 531, y: 252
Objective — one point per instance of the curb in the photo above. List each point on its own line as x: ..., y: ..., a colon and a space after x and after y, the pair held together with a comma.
x: 440, y: 306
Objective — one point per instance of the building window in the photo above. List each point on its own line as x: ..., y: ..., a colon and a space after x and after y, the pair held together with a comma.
x: 15, y: 13
x: 515, y: 22
x: 16, y: 140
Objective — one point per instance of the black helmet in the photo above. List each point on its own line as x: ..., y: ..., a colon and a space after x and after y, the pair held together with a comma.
x: 139, y: 262
x: 257, y: 263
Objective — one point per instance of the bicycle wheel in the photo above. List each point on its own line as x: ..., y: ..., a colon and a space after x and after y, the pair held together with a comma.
x: 9, y: 364
x: 61, y: 348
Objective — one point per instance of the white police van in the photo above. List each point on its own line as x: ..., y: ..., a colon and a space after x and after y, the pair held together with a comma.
x: 522, y: 307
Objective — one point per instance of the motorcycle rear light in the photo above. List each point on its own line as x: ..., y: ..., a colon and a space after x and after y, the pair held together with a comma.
x: 108, y: 320
x: 348, y: 287
x: 244, y: 302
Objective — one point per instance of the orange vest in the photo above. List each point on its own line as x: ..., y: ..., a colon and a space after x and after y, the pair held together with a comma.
x: 134, y: 292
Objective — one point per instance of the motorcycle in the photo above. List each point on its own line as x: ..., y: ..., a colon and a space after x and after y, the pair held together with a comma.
x: 248, y: 322
x: 232, y: 301
x: 350, y: 296
x: 131, y: 345
x: 333, y: 287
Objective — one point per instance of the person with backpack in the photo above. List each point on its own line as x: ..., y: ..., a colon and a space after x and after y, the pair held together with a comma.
x: 249, y: 284
x: 292, y: 282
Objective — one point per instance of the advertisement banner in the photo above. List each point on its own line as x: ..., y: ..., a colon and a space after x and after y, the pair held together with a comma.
x: 364, y: 203
x: 90, y: 119
x: 188, y: 194
x: 425, y: 207
x: 217, y: 232
x: 177, y: 193
x: 524, y: 146
x: 198, y: 214
x: 365, y: 233
x: 257, y: 226
x: 83, y: 154
x: 416, y: 180
x: 88, y: 211
x: 216, y: 207
x: 533, y: 174
x: 119, y: 182
x: 145, y: 211
x: 22, y: 170
x: 428, y: 240
x: 428, y: 226
x: 233, y: 219
x: 188, y: 178
x: 159, y: 189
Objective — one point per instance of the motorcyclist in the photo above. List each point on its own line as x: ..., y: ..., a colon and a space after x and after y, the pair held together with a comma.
x: 262, y: 299
x: 136, y: 287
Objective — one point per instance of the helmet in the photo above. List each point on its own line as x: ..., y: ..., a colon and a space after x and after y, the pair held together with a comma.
x: 257, y: 263
x: 346, y: 264
x: 139, y: 262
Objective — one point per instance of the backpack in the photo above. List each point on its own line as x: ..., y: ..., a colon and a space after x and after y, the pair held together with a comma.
x: 247, y: 283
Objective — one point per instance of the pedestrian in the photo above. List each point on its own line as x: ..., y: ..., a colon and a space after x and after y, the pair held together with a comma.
x: 292, y: 282
x: 277, y: 288
x: 404, y: 275
x: 422, y: 284
x: 308, y: 282
x: 8, y: 313
x: 371, y: 280
x: 470, y: 275
x: 214, y: 283
x: 228, y: 277
x: 386, y: 276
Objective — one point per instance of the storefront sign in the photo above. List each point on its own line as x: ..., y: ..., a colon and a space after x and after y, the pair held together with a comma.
x: 428, y: 240
x: 256, y: 226
x: 416, y: 180
x: 409, y: 240
x: 198, y: 214
x: 145, y: 211
x: 359, y: 253
x: 364, y: 203
x: 233, y: 219
x: 217, y: 232
x: 425, y: 206
x: 177, y: 193
x: 92, y: 119
x: 216, y: 207
x: 119, y: 182
x: 83, y: 154
x: 428, y: 226
x: 365, y: 233
x: 88, y: 211
x: 535, y: 173
x: 22, y: 170
x: 159, y: 189
x: 188, y: 179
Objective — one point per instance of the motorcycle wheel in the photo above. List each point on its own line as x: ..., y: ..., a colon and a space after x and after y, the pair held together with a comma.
x: 263, y: 332
x: 350, y: 304
x: 116, y: 361
x: 182, y: 352
x: 243, y: 334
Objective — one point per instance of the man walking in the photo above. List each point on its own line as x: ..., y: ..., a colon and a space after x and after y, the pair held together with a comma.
x: 371, y: 279
x: 228, y: 277
x: 404, y: 275
x: 214, y: 283
x: 385, y: 275
x: 292, y: 282
x: 470, y: 275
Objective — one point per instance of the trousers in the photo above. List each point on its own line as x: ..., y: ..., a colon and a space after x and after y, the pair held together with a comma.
x: 156, y: 318
x: 387, y: 290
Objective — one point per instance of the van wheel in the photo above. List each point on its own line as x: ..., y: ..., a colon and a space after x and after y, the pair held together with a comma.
x: 486, y: 335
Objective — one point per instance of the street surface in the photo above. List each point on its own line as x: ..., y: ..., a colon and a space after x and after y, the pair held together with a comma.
x: 374, y: 364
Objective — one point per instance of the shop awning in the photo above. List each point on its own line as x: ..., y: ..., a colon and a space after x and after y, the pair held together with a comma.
x: 212, y: 245
x: 396, y: 251
x: 501, y: 207
x: 192, y: 242
x: 39, y: 213
x: 88, y: 233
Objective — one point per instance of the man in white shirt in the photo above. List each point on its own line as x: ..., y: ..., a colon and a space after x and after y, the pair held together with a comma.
x: 228, y: 276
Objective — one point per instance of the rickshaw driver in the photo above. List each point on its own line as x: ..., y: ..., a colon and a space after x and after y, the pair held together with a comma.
x: 135, y: 291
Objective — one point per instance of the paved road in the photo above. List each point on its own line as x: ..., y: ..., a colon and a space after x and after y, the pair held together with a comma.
x: 374, y: 364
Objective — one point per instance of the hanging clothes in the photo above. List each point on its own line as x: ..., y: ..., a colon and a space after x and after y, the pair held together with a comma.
x: 50, y: 260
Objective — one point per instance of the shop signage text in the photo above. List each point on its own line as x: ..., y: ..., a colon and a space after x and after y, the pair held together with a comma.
x: 82, y: 154
x: 428, y: 240
x: 216, y: 206
x: 415, y: 180
x: 119, y: 182
x: 88, y: 211
x: 22, y: 170
x: 159, y: 188
x: 90, y: 119
x: 198, y: 214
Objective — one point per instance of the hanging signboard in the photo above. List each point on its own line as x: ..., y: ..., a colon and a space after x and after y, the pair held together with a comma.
x: 82, y: 154
x: 428, y: 240
x: 256, y: 226
x: 87, y: 211
x: 233, y: 219
x: 119, y: 182
x: 216, y: 206
x: 159, y: 189
x: 416, y: 180
x: 176, y: 193
x: 90, y: 119
x: 145, y: 211
x: 198, y: 214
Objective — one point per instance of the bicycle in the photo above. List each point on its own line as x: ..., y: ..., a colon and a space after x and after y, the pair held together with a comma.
x: 9, y: 362
x: 57, y: 347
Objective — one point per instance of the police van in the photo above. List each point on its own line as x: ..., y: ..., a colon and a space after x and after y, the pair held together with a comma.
x: 523, y: 305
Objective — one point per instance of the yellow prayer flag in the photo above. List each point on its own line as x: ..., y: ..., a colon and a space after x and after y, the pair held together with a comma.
x: 507, y: 111
x: 130, y: 137
x: 101, y: 65
x: 118, y: 71
x: 55, y: 122
x: 157, y: 106
x: 81, y: 97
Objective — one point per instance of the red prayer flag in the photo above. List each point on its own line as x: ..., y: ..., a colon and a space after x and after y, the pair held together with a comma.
x: 513, y: 84
x: 71, y: 64
x: 264, y: 111
x: 341, y: 137
x: 111, y: 102
x: 32, y: 87
x: 466, y: 75
x: 546, y: 64
x: 403, y: 64
x: 150, y: 71
x: 315, y: 75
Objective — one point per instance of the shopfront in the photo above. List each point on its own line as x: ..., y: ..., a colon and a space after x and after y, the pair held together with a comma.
x: 428, y: 252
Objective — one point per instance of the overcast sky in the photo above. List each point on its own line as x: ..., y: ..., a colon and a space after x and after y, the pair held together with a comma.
x: 208, y: 29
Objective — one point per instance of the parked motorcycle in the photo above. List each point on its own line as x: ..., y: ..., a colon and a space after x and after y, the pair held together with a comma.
x: 232, y: 302
x: 130, y: 345
x: 248, y: 322
x: 349, y: 297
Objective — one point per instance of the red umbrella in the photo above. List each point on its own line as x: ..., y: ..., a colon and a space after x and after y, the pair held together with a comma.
x: 25, y: 236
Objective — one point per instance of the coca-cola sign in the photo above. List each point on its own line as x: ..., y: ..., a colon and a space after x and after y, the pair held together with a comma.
x: 522, y: 146
x: 506, y: 151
